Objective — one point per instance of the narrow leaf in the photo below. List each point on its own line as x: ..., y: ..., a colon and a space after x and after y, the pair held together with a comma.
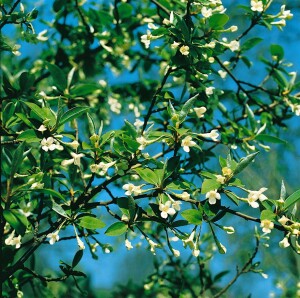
x: 17, y: 159
x: 72, y: 114
x: 193, y: 216
x: 292, y: 199
x: 77, y: 258
x: 58, y: 76
x: 208, y: 185
x: 244, y: 162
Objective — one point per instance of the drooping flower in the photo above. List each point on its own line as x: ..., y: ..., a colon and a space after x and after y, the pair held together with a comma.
x: 284, y: 243
x: 42, y: 128
x: 53, y: 237
x: 186, y: 143
x: 196, y: 252
x: 209, y: 90
x: 138, y: 123
x: 26, y: 208
x: 103, y: 167
x: 267, y: 225
x: 206, y: 12
x: 234, y: 45
x: 175, y: 45
x: 41, y: 36
x: 200, y: 111
x: 214, y: 134
x: 75, y: 160
x: 229, y: 230
x: 166, y: 209
x: 142, y: 141
x: 132, y: 189
x: 283, y: 220
x: 285, y: 14
x: 37, y: 185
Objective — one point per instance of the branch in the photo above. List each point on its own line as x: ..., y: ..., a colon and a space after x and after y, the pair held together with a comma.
x: 10, y: 12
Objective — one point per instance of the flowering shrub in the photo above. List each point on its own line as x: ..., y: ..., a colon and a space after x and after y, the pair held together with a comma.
x: 68, y: 149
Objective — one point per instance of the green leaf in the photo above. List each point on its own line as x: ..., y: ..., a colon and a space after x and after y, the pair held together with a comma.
x: 128, y: 206
x: 186, y: 108
x: 29, y: 136
x: 250, y: 43
x: 124, y: 10
x: 193, y: 216
x: 77, y: 258
x: 26, y: 81
x: 58, y: 209
x: 83, y: 89
x: 292, y: 199
x: 40, y: 112
x: 148, y: 175
x: 277, y: 51
x: 218, y: 20
x: 208, y: 174
x: 270, y: 139
x: 244, y: 162
x: 91, y: 223
x: 280, y: 78
x: 58, y: 76
x: 24, y: 119
x: 116, y: 229
x: 251, y: 117
x: 18, y: 221
x: 267, y: 214
x: 17, y: 159
x: 208, y: 185
x: 72, y: 114
x: 171, y: 166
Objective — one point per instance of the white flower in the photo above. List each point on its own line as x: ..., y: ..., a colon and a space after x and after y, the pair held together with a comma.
x: 138, y: 124
x: 80, y: 243
x: 48, y: 144
x: 26, y: 208
x: 222, y: 73
x: 74, y: 145
x: 176, y: 253
x: 280, y: 23
x: 175, y: 45
x: 37, y: 185
x: 267, y: 225
x: 114, y: 105
x: 285, y: 14
x: 200, y: 111
x: 206, y: 12
x: 132, y: 189
x: 103, y: 167
x: 166, y: 209
x: 41, y: 36
x: 196, y: 252
x: 128, y: 244
x: 189, y: 241
x: 256, y: 195
x: 184, y: 50
x: 283, y: 220
x: 153, y: 245
x: 186, y: 143
x: 42, y: 128
x: 209, y: 90
x: 184, y: 196
x: 220, y: 179
x: 142, y: 141
x: 15, y: 50
x: 75, y: 160
x: 53, y: 237
x: 146, y: 39
x: 171, y: 19
x: 233, y: 28
x: 284, y: 243
x: 214, y: 134
x: 11, y: 240
x: 213, y: 196
x: 257, y: 6
x: 234, y: 45
x: 152, y: 26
